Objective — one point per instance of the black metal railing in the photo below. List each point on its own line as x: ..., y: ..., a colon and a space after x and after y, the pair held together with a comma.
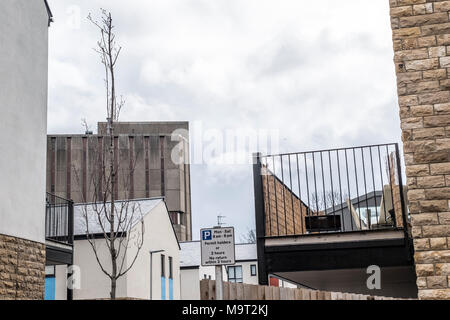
x: 336, y: 190
x: 59, y: 219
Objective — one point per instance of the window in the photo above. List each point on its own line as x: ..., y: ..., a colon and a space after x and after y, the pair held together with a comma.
x: 170, y: 268
x: 49, y: 283
x: 235, y: 274
x: 170, y: 278
x: 163, y: 266
x: 163, y: 277
x: 253, y: 270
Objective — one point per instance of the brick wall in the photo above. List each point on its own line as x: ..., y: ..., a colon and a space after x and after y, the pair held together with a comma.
x: 421, y: 38
x: 284, y: 211
x: 22, y: 269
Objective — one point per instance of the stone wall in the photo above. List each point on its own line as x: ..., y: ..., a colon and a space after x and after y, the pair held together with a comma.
x: 22, y: 269
x: 421, y: 38
x: 284, y: 211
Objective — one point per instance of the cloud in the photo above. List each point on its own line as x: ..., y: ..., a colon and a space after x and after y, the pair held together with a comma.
x: 321, y: 73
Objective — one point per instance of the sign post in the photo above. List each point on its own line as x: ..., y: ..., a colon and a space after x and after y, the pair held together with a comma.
x: 218, y: 249
x: 219, y: 283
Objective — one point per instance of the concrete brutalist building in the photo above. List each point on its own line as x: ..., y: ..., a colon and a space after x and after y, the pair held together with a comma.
x: 152, y: 148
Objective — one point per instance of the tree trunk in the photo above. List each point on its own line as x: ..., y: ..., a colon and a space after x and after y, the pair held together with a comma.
x: 113, y: 288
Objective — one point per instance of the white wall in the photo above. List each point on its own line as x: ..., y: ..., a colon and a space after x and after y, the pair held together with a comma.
x: 190, y: 284
x: 246, y: 274
x: 94, y: 283
x: 136, y: 283
x: 23, y: 121
x: 158, y: 236
x: 61, y: 282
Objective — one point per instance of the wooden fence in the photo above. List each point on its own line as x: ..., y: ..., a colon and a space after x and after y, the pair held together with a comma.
x: 240, y: 291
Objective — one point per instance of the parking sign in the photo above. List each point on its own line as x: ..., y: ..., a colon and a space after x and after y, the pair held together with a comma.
x: 217, y: 246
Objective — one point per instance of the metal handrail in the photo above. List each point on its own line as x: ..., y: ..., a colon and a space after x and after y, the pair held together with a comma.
x: 336, y: 190
x: 59, y: 219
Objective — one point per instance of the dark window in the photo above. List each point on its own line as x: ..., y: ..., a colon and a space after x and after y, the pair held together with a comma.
x: 170, y: 268
x: 253, y: 269
x: 235, y: 274
x: 163, y: 266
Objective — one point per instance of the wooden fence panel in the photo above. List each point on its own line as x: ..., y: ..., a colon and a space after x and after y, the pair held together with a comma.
x: 226, y: 291
x: 268, y: 294
x: 276, y: 293
x: 240, y: 291
x: 261, y: 293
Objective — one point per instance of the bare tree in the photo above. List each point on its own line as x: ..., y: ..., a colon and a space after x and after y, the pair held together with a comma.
x: 86, y: 126
x: 119, y: 222
x: 322, y: 201
x: 249, y: 237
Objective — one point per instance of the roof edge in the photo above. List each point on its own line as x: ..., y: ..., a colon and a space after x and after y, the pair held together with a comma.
x: 120, y: 201
x: 49, y: 12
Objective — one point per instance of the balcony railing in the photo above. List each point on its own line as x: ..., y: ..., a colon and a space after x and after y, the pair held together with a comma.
x: 336, y: 190
x: 59, y: 219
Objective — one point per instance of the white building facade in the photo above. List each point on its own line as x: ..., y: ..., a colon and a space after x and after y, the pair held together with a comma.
x: 157, y: 276
x: 23, y: 128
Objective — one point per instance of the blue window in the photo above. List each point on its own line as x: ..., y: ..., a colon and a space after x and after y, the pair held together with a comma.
x: 170, y: 289
x: 163, y: 277
x: 170, y: 278
x: 163, y: 288
x: 49, y: 293
x: 49, y: 288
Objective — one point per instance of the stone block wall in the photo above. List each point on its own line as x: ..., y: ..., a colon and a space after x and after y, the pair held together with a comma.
x: 421, y: 39
x: 22, y: 269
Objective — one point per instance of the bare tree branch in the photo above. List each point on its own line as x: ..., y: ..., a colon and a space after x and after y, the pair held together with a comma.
x: 120, y: 222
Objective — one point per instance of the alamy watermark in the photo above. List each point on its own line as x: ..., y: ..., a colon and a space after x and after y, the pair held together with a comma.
x: 222, y: 147
x: 374, y: 280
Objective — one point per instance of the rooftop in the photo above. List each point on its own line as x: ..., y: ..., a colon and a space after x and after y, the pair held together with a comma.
x: 140, y: 207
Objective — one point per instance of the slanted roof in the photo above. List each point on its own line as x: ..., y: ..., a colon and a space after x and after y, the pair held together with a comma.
x: 141, y: 208
x: 49, y: 11
x: 190, y: 255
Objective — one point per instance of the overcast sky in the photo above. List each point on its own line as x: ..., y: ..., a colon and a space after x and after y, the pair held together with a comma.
x: 318, y: 72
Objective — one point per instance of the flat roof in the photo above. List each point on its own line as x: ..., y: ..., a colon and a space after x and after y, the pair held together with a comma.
x: 141, y: 208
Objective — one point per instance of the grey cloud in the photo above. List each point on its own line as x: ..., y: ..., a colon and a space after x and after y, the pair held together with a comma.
x: 324, y: 78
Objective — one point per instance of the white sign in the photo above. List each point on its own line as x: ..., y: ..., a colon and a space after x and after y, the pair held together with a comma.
x: 217, y: 246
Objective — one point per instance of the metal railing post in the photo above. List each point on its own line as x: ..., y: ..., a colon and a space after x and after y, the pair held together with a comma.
x: 259, y: 218
x: 70, y: 225
x: 402, y: 196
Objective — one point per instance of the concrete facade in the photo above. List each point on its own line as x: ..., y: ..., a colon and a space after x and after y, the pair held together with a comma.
x: 421, y: 39
x: 23, y: 126
x: 152, y: 149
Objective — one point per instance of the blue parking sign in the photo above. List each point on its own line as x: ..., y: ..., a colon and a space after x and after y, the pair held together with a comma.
x: 206, y: 235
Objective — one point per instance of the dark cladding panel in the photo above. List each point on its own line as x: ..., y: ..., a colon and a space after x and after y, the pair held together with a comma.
x: 139, y: 167
x: 77, y: 147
